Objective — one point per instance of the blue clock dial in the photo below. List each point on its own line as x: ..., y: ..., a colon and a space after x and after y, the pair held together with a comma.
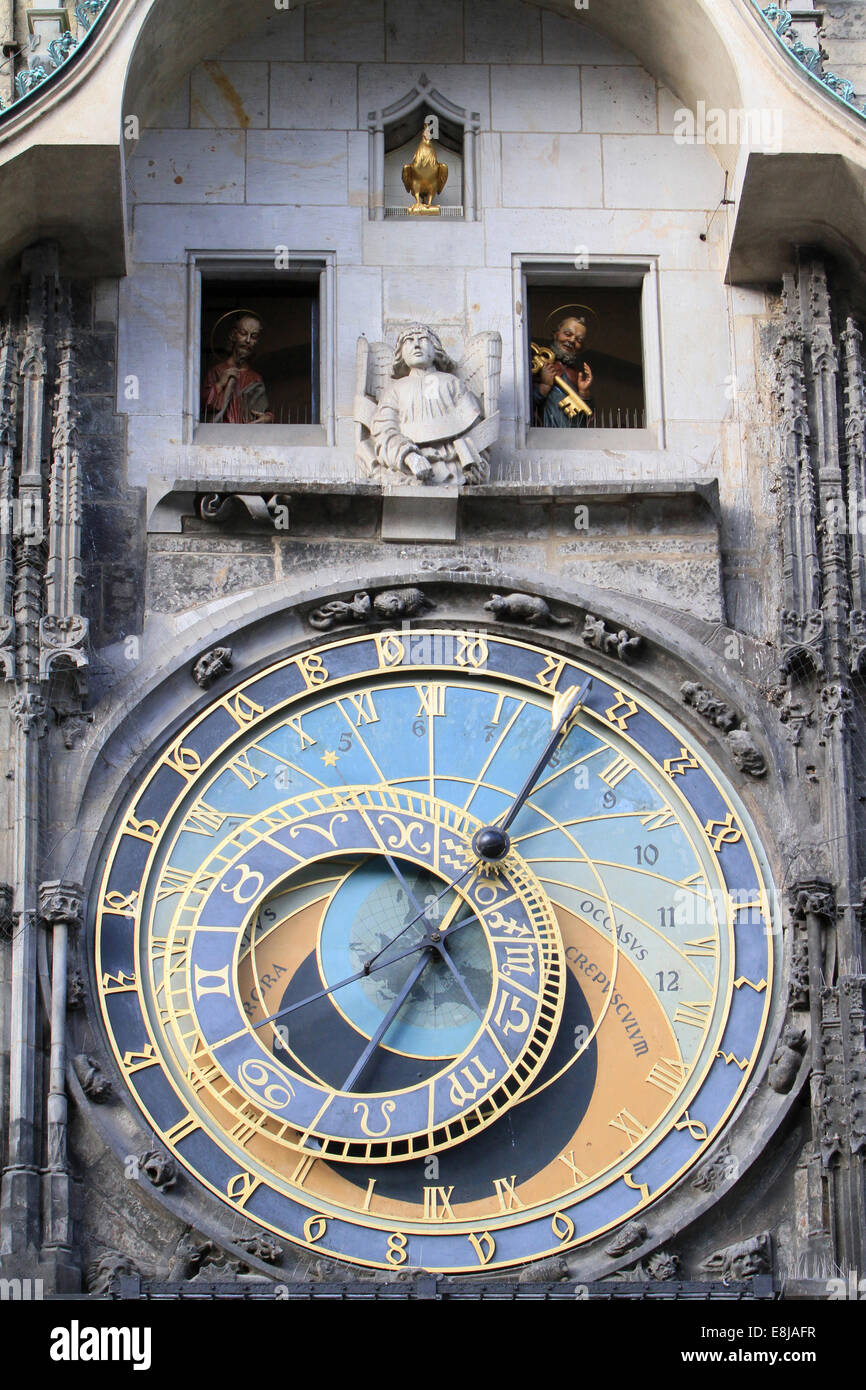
x: 424, y: 950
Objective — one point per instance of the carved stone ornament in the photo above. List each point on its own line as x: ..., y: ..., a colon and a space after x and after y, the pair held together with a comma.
x: 745, y: 1260
x: 422, y: 418
x: 193, y: 1254
x: 61, y: 902
x: 62, y: 639
x: 721, y: 1168
x: 6, y: 917
x: 526, y: 609
x: 617, y: 643
x: 73, y: 725
x: 159, y: 1168
x: 112, y: 1265
x: 802, y: 640
x: 389, y: 606
x: 215, y: 663
x: 714, y: 710
x: 633, y: 1234
x: 219, y: 507
x: 798, y: 979
x: 28, y: 710
x: 744, y: 752
x: 857, y: 640
x: 262, y: 1247
x: 837, y: 705
x: 787, y: 1059
x: 94, y: 1083
x: 7, y: 648
x: 75, y: 990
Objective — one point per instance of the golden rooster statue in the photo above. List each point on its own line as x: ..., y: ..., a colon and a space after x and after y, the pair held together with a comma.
x: 425, y: 176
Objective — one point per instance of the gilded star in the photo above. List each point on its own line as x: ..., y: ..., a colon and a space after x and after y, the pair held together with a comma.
x: 329, y: 757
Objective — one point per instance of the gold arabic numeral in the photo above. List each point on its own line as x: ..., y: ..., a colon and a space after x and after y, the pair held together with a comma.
x: 577, y: 1173
x: 548, y: 676
x: 668, y: 1075
x: 633, y: 1129
x: 307, y: 740
x: 641, y: 1187
x: 758, y: 986
x: 245, y: 771
x: 397, y: 1254
x: 390, y: 649
x: 681, y: 764
x: 121, y: 904
x: 437, y: 1204
x: 472, y: 650
x: 694, y: 1013
x: 313, y: 670
x: 562, y: 1226
x: 365, y: 710
x: 204, y: 819
x: 179, y: 1131
x: 137, y: 1061
x: 729, y: 1057
x: 121, y: 983
x: 621, y: 711
x: 185, y: 761
x: 432, y: 701
x: 505, y: 1193
x: 314, y: 1228
x: 616, y: 771
x: 484, y: 1246
x: 242, y: 709
x: 723, y: 832
x: 241, y: 1187
x: 696, y: 1128
x: 222, y: 976
x: 142, y: 829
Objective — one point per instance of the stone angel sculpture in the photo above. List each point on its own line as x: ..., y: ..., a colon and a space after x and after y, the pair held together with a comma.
x: 421, y: 418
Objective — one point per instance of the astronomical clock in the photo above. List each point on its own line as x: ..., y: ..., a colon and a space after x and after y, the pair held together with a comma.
x: 434, y: 949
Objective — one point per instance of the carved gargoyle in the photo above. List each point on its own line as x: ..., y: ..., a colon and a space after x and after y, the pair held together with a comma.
x: 526, y: 609
x: 389, y: 606
x: 421, y: 418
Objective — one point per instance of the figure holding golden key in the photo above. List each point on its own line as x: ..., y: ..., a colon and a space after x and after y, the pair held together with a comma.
x: 563, y: 381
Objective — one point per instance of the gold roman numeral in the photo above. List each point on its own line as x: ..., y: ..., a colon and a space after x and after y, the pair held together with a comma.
x: 630, y: 1127
x: 667, y: 1075
x: 694, y: 1014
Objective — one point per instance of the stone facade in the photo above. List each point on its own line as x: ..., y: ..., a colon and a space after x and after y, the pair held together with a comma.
x: 723, y: 540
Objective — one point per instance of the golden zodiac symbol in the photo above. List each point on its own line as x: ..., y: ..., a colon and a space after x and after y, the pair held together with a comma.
x: 388, y: 1107
x: 572, y: 405
x: 403, y: 838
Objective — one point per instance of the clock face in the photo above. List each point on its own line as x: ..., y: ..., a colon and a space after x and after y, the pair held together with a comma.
x: 353, y: 1023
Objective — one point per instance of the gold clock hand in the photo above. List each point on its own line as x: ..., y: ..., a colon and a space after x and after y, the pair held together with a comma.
x: 380, y: 1032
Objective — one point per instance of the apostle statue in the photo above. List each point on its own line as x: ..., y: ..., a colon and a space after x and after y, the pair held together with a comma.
x: 422, y: 418
x: 562, y: 386
x: 232, y: 393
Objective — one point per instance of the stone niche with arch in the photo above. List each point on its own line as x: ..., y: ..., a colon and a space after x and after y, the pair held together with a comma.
x: 395, y: 132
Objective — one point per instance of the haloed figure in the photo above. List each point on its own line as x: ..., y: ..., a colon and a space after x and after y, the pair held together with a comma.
x: 568, y: 340
x: 232, y: 393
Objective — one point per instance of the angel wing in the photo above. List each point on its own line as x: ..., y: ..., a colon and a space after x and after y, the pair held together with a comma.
x: 481, y: 369
x: 372, y: 373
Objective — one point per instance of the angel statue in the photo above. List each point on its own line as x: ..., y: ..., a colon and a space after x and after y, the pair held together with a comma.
x: 421, y: 418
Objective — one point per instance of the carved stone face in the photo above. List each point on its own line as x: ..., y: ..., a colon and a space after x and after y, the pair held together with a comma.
x: 244, y: 336
x: 418, y: 351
